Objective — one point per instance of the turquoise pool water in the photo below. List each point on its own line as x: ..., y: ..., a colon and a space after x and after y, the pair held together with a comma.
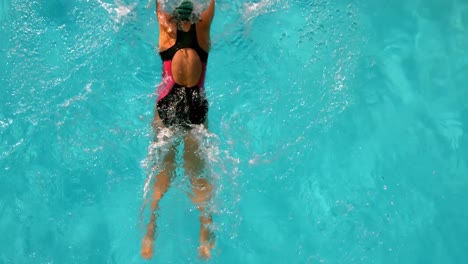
x: 337, y: 132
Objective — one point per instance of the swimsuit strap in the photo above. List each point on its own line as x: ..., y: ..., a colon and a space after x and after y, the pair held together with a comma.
x: 185, y: 40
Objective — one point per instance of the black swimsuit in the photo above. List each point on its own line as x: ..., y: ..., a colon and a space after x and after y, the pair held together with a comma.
x: 178, y: 105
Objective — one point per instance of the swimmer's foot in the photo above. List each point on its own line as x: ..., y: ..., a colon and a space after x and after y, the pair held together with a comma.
x: 147, y: 247
x: 148, y: 241
x: 206, y: 244
x: 204, y: 251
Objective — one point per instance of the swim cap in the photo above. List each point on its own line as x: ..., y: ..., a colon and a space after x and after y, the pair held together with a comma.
x: 184, y: 11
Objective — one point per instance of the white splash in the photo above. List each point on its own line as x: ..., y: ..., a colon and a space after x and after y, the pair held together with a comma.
x: 199, y: 6
x: 6, y: 123
x: 164, y: 139
x: 119, y: 11
x: 12, y: 149
x: 80, y: 97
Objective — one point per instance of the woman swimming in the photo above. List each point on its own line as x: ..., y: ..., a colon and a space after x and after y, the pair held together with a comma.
x: 181, y: 105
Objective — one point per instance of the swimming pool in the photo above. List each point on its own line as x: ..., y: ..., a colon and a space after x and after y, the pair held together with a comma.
x: 337, y: 132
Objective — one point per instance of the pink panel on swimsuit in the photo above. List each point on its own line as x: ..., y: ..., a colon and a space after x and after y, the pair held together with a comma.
x: 167, y: 82
x: 201, y: 83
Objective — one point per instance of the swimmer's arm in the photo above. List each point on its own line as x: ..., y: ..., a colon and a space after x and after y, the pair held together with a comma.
x: 208, y: 14
x: 162, y: 17
x: 164, y: 20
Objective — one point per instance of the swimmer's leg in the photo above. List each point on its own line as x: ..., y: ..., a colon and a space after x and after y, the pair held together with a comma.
x: 161, y: 185
x: 201, y: 193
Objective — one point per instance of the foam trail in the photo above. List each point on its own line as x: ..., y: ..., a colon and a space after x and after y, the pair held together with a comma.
x: 253, y: 10
x: 222, y: 170
x: 80, y: 97
x: 156, y: 151
x: 220, y: 167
